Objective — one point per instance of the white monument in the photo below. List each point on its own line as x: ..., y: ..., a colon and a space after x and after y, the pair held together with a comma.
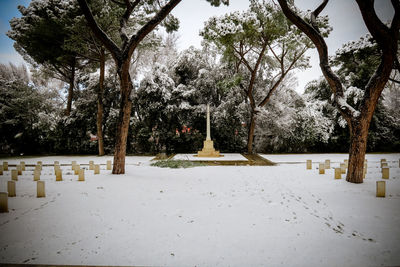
x: 208, y: 149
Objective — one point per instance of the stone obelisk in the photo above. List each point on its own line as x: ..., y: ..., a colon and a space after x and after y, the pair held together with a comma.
x: 208, y: 148
x: 208, y: 123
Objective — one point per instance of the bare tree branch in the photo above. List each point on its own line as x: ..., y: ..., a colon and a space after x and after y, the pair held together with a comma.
x: 273, y: 53
x: 397, y: 64
x: 243, y: 59
x: 393, y: 80
x: 64, y: 74
x: 282, y: 76
x: 124, y: 20
x: 395, y: 21
x: 374, y: 25
x: 315, y: 14
x: 253, y: 74
x: 117, y: 2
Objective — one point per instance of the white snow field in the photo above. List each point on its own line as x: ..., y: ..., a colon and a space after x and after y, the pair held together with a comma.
x: 225, y: 157
x: 280, y: 215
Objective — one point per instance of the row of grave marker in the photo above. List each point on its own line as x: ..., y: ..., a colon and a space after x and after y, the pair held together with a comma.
x: 11, y: 189
x: 22, y: 167
x: 343, y: 166
x: 380, y: 185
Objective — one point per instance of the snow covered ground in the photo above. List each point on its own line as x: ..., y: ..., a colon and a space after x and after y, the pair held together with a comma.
x: 226, y: 157
x: 79, y: 159
x: 337, y: 158
x: 280, y: 215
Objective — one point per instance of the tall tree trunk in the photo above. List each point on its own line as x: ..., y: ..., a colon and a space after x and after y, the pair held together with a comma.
x: 71, y: 88
x: 250, y: 137
x: 250, y: 96
x: 100, y: 93
x: 358, y: 146
x: 123, y: 121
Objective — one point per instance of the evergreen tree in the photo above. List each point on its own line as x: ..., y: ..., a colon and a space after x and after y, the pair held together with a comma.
x: 28, y: 114
x: 40, y: 35
x: 359, y: 118
x: 261, y: 45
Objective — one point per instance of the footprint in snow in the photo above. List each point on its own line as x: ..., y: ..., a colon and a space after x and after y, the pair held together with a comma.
x: 28, y: 260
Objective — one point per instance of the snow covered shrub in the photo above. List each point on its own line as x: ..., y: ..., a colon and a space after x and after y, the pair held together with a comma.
x: 73, y: 131
x: 175, y: 164
x: 170, y: 107
x: 229, y: 119
x: 27, y: 113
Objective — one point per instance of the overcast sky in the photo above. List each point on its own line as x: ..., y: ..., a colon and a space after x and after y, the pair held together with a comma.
x: 345, y: 18
x: 344, y: 15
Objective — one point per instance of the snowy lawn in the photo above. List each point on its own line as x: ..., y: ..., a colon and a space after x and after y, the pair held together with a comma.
x: 204, y: 216
x: 336, y: 158
x: 226, y: 157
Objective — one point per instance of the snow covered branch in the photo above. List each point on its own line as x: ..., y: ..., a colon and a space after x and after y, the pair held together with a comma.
x: 149, y: 26
x: 100, y: 34
x: 333, y: 80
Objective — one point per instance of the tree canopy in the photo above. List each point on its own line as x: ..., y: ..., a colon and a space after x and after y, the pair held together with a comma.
x: 263, y: 47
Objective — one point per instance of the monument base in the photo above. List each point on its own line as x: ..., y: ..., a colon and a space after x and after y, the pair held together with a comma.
x: 208, y: 150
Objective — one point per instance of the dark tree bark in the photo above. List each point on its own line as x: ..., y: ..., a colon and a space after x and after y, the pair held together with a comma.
x: 123, y: 121
x: 250, y: 87
x: 122, y: 57
x: 358, y: 120
x: 100, y: 93
x: 358, y: 147
x: 250, y: 136
x: 71, y: 88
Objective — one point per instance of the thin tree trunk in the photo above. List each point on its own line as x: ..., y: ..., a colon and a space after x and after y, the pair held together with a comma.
x: 250, y: 137
x: 358, y: 146
x: 250, y: 95
x: 71, y: 89
x: 100, y: 93
x: 123, y: 122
